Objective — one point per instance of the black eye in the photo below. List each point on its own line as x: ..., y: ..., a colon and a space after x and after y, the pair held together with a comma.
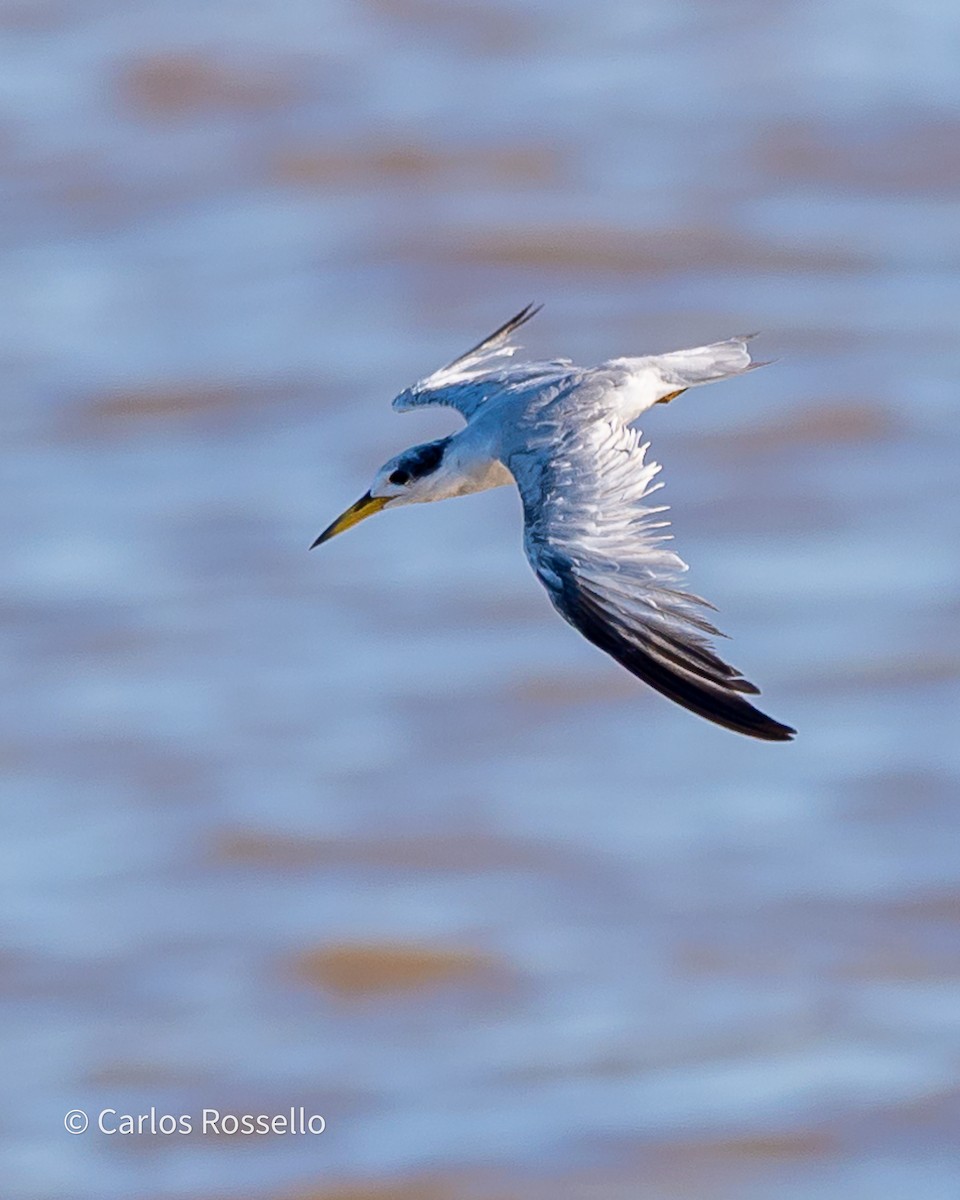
x: 400, y: 476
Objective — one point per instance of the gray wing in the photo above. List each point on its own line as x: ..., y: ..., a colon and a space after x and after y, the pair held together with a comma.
x: 597, y: 545
x: 482, y: 372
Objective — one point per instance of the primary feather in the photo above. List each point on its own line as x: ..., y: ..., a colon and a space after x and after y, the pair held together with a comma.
x: 482, y: 373
x: 597, y: 545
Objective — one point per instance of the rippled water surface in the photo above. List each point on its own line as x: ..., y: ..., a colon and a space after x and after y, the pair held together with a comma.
x: 370, y: 830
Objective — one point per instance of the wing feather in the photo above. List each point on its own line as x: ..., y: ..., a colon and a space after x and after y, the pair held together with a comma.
x: 598, y: 549
x: 495, y: 345
x: 483, y: 371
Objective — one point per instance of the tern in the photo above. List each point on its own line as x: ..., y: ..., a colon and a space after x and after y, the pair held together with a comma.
x: 566, y: 436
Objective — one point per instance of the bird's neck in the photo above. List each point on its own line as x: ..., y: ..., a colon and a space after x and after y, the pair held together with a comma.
x: 471, y: 466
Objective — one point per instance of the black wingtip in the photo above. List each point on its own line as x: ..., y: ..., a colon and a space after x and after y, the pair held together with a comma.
x: 661, y: 666
x: 522, y: 317
x: 771, y: 730
x: 499, y: 335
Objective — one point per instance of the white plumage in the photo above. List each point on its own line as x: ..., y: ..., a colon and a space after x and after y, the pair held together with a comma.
x: 564, y: 434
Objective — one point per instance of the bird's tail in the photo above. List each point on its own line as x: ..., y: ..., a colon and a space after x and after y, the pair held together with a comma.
x: 704, y: 364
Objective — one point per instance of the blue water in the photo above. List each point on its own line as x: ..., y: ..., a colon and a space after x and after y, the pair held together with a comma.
x: 701, y: 965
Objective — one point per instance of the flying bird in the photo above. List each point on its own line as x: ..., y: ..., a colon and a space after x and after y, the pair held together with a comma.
x: 566, y: 436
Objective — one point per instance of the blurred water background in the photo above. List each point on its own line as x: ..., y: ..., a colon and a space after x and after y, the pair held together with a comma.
x: 371, y: 830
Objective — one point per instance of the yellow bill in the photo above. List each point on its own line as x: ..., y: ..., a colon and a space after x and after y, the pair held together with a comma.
x: 366, y: 506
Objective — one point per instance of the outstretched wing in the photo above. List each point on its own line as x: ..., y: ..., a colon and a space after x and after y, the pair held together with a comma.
x: 597, y: 545
x: 470, y: 380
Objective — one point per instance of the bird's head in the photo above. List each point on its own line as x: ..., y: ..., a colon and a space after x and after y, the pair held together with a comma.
x: 419, y: 474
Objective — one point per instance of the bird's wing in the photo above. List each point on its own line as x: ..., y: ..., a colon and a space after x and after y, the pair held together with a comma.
x: 483, y: 371
x: 636, y: 384
x: 597, y: 545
